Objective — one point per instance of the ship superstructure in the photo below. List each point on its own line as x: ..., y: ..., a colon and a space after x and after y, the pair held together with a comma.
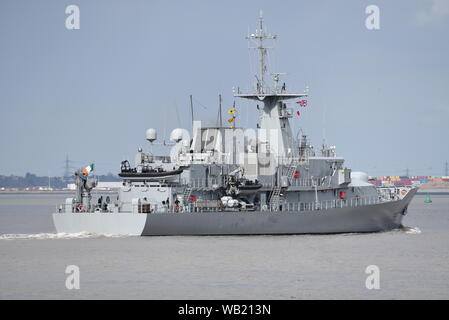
x: 230, y: 180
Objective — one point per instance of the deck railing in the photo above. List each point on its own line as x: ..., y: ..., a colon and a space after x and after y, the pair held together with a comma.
x: 284, y: 207
x: 330, y: 204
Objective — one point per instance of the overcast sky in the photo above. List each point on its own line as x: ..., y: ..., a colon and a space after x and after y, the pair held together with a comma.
x: 381, y: 95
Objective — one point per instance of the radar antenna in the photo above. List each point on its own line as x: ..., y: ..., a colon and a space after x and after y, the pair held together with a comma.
x: 258, y: 38
x: 276, y: 80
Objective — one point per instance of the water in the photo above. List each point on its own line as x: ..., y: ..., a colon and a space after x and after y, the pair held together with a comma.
x: 413, y: 261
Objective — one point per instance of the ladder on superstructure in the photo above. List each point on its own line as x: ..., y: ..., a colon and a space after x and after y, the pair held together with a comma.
x: 276, y: 191
x: 275, y: 198
x: 186, y: 194
x: 292, y: 167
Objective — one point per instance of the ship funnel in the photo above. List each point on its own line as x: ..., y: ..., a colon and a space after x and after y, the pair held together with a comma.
x: 151, y: 135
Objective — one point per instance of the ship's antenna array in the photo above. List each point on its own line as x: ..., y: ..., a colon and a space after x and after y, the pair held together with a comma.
x: 258, y: 37
x: 220, y: 120
x: 324, y: 124
x: 276, y: 80
x: 191, y: 110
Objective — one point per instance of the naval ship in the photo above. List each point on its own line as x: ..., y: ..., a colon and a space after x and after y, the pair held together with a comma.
x: 226, y: 180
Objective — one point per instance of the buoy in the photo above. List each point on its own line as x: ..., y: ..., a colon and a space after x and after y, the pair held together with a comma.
x: 427, y: 199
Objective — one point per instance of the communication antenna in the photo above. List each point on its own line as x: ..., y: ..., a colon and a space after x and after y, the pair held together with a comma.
x: 191, y: 110
x: 276, y: 79
x: 324, y: 125
x: 220, y: 120
x: 258, y: 39
x: 234, y: 125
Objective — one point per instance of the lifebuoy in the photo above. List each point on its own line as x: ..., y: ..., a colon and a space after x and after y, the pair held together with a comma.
x: 80, y: 207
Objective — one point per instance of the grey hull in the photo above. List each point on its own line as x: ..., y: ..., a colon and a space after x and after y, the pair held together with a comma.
x: 371, y: 218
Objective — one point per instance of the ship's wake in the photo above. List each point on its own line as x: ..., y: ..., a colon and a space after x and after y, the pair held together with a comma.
x: 410, y: 230
x: 79, y: 235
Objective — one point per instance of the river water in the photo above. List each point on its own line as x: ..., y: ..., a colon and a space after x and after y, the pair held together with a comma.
x: 413, y: 262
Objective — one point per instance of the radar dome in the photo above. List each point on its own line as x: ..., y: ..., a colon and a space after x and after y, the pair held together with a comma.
x: 151, y: 135
x: 176, y: 135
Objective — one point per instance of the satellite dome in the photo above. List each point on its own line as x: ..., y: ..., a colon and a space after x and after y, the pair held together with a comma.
x: 151, y: 135
x: 176, y: 135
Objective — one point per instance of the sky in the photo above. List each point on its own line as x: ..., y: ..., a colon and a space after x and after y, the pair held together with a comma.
x: 379, y: 96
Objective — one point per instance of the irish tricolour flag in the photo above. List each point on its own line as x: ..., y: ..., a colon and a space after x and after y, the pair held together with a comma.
x: 88, y: 169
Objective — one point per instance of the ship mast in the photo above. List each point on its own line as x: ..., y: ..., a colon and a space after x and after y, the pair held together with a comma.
x: 274, y: 129
x: 262, y: 90
x: 259, y: 37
